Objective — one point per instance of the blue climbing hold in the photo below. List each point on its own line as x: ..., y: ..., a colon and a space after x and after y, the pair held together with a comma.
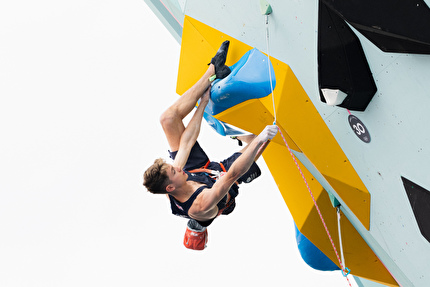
x: 249, y: 79
x: 221, y: 127
x: 314, y: 257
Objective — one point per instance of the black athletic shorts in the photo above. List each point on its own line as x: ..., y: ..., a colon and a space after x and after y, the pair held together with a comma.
x: 198, y: 159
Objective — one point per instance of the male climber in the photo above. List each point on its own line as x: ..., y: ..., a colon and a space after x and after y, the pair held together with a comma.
x: 192, y: 191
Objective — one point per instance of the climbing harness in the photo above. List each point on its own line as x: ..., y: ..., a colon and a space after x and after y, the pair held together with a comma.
x: 345, y: 271
x: 214, y: 174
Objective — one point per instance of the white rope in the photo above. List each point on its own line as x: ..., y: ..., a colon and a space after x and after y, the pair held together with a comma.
x: 268, y: 65
x: 340, y: 240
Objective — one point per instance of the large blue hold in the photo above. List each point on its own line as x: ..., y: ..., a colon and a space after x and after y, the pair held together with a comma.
x: 249, y: 79
x: 314, y: 257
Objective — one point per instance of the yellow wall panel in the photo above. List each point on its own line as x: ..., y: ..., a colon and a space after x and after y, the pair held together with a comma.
x: 301, y: 123
x: 299, y: 117
x: 305, y: 132
x: 358, y: 256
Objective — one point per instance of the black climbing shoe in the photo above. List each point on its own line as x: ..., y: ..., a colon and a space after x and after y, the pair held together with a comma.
x: 221, y: 70
x: 221, y: 55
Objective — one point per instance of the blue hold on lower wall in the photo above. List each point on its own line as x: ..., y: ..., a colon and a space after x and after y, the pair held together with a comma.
x: 314, y: 257
x: 249, y: 79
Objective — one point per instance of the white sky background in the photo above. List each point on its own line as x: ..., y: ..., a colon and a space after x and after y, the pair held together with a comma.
x: 82, y: 85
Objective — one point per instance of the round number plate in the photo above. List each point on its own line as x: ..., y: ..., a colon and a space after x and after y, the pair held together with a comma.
x: 359, y: 128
